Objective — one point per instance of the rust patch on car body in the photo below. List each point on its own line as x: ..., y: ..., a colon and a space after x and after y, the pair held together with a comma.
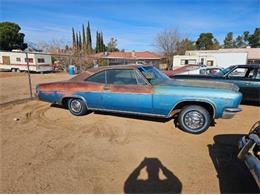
x: 71, y: 86
x: 130, y: 89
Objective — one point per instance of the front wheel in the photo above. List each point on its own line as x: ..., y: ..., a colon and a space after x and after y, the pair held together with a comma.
x: 77, y: 107
x: 194, y: 119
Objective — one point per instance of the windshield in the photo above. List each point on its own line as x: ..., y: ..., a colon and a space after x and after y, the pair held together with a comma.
x: 153, y: 75
x: 225, y: 71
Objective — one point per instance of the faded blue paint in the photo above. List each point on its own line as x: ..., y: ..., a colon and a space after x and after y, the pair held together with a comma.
x: 164, y: 97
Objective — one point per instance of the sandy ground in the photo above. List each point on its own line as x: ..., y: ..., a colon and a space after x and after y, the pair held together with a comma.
x: 50, y: 151
x: 14, y: 86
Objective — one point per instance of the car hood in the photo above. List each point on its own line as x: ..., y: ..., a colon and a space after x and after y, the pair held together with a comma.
x: 200, y: 83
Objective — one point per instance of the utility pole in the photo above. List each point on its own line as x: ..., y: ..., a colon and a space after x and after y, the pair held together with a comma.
x: 29, y: 76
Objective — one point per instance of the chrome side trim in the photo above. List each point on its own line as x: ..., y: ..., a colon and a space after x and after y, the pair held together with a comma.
x: 127, y: 112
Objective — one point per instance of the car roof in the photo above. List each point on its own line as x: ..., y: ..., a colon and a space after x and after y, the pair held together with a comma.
x: 248, y: 65
x: 92, y: 71
x: 126, y: 66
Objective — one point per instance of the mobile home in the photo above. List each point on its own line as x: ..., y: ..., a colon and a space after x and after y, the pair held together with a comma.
x: 210, y: 58
x: 16, y: 61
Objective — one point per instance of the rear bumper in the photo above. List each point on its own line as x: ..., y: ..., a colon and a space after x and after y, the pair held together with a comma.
x: 230, y: 112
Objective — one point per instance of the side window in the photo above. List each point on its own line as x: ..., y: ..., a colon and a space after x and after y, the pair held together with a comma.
x: 125, y: 77
x: 238, y: 73
x: 97, y: 78
x: 258, y: 74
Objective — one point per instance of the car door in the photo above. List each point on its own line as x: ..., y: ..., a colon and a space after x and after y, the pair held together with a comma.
x: 127, y: 91
x: 243, y: 78
x: 94, y: 88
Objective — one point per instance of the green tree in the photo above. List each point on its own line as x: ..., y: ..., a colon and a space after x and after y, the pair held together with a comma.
x: 77, y: 41
x: 97, y: 42
x: 89, y: 40
x: 239, y: 43
x: 228, y: 41
x: 103, y: 46
x: 245, y: 37
x: 185, y: 45
x: 216, y: 44
x: 254, y: 39
x: 80, y: 42
x: 83, y: 38
x: 112, y: 45
x: 205, y: 41
x: 73, y: 39
x: 10, y: 37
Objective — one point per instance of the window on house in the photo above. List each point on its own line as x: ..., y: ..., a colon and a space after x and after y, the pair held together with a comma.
x: 30, y: 60
x: 18, y: 59
x: 41, y: 60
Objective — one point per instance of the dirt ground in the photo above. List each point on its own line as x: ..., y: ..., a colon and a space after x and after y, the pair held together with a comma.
x: 14, y: 86
x: 45, y: 149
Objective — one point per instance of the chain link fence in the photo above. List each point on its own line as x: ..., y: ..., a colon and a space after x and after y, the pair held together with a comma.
x: 22, y: 71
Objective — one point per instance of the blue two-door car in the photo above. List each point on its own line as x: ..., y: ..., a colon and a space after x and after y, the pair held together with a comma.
x: 144, y: 90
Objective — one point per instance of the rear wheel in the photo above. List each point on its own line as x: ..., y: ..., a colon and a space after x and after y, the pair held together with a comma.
x: 194, y: 119
x: 13, y: 70
x: 77, y: 107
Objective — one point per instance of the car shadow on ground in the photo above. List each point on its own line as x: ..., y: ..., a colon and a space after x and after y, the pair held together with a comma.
x: 233, y: 175
x: 153, y: 184
x: 133, y: 116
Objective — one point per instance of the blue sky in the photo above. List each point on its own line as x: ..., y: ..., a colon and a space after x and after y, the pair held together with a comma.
x: 135, y: 23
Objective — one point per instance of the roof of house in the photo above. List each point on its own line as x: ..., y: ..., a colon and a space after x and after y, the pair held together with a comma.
x: 143, y: 55
x: 253, y: 53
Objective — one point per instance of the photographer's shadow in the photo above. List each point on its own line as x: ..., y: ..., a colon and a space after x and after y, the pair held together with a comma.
x: 153, y: 184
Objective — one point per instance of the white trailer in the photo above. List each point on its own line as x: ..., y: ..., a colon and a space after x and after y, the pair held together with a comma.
x: 210, y: 58
x: 16, y: 61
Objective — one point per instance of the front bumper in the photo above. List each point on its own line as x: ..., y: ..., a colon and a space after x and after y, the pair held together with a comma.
x: 230, y: 112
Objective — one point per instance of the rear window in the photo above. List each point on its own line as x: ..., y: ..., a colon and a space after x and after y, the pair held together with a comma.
x: 97, y: 78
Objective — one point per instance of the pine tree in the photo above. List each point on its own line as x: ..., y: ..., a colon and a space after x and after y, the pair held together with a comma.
x: 83, y: 38
x: 102, y: 42
x: 80, y: 42
x: 89, y: 41
x: 97, y: 42
x: 239, y: 43
x: 73, y: 39
x: 77, y: 41
x: 228, y: 41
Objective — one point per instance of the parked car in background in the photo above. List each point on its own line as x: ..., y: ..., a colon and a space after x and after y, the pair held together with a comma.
x: 207, y: 70
x: 246, y: 77
x: 144, y: 90
x: 249, y: 147
x: 193, y: 69
x: 180, y: 69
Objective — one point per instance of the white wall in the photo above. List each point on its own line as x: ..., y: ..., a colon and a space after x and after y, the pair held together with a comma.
x: 228, y: 59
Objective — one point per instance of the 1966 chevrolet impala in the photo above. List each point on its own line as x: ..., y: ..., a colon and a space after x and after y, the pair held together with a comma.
x: 144, y: 90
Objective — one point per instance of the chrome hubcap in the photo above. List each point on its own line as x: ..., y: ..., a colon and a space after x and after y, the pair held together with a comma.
x: 75, y: 106
x: 194, y: 120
